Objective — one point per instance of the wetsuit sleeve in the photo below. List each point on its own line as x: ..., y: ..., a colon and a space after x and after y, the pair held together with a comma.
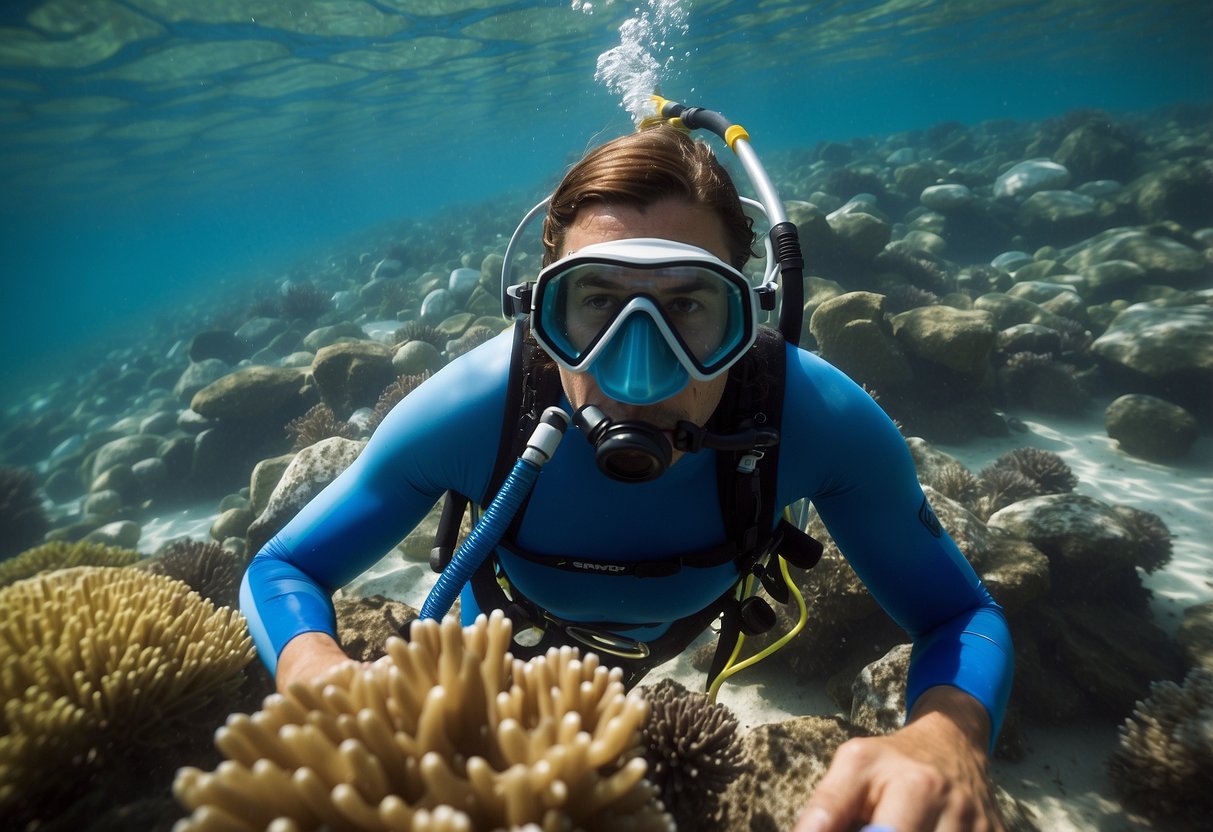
x: 866, y: 491
x: 442, y: 435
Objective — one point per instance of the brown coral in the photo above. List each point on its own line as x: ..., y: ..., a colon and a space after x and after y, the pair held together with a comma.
x: 204, y: 566
x: 392, y: 395
x: 693, y: 752
x: 474, y: 337
x: 98, y: 661
x: 1000, y: 487
x: 61, y: 555
x: 1048, y: 470
x: 447, y: 732
x: 318, y: 424
x: 1166, y: 750
x: 1151, y: 535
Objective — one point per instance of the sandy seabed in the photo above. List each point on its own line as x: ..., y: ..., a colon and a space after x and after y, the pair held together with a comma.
x: 1062, y: 775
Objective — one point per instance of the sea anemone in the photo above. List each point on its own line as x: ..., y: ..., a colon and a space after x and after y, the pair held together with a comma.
x: 59, y: 555
x: 904, y: 297
x: 391, y: 396
x: 417, y: 331
x: 319, y: 423
x: 448, y: 732
x: 693, y: 752
x: 304, y: 301
x: 1040, y: 382
x: 999, y: 487
x: 1151, y: 535
x: 1166, y: 750
x: 916, y: 268
x: 23, y: 521
x: 958, y: 483
x: 474, y: 337
x: 265, y: 306
x: 204, y: 566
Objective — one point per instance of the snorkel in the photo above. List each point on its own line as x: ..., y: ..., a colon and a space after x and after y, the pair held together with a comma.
x: 634, y: 451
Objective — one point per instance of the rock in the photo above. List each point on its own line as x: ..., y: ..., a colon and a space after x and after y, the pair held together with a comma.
x: 927, y: 241
x: 125, y: 451
x: 1167, y: 351
x: 345, y: 301
x: 1028, y: 338
x: 437, y: 305
x: 946, y: 197
x: 1092, y: 151
x: 1057, y: 212
x: 387, y: 267
x: 62, y: 486
x: 198, y: 375
x: 353, y: 375
x: 1092, y: 555
x: 1151, y: 428
x: 258, y: 332
x: 1011, y: 261
x: 251, y: 394
x: 1014, y: 571
x: 862, y: 234
x: 124, y: 534
x: 915, y: 178
x: 1008, y: 311
x: 1164, y: 260
x: 159, y: 424
x: 219, y: 344
x: 373, y: 291
x: 853, y: 335
x: 1181, y: 192
x: 416, y: 357
x: 233, y: 501
x: 103, y: 504
x: 953, y: 338
x: 365, y: 624
x: 878, y: 694
x: 325, y: 336
x: 1028, y: 177
x: 265, y: 477
x: 232, y: 523
x: 151, y: 475
x: 308, y: 473
x: 462, y: 281
x: 1195, y: 635
x: 1113, y: 279
x: 490, y: 272
x: 192, y: 422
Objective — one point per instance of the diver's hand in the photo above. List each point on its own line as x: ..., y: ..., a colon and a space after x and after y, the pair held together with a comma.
x: 306, y: 657
x: 929, y: 775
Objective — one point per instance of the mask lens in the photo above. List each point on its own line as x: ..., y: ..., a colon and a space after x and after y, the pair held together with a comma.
x: 704, y: 310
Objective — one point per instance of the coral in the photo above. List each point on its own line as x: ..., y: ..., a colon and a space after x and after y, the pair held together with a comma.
x: 22, y: 518
x: 205, y: 567
x: 958, y: 483
x: 304, y: 301
x: 693, y: 752
x: 391, y: 396
x: 61, y: 555
x: 1151, y: 535
x: 447, y: 732
x: 1000, y: 487
x: 1165, y: 754
x: 319, y: 423
x: 395, y: 298
x: 417, y: 331
x: 98, y: 662
x: 1041, y: 383
x: 474, y: 337
x: 1048, y: 470
x: 265, y: 306
x: 916, y: 268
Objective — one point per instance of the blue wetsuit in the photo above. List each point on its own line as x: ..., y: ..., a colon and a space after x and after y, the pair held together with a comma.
x: 837, y: 448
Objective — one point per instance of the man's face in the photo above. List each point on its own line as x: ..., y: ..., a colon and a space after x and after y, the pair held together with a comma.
x: 669, y: 219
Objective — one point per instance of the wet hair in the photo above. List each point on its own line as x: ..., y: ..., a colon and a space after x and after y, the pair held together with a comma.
x: 640, y: 169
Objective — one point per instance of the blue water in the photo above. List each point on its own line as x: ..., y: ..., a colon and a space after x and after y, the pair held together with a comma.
x: 153, y: 153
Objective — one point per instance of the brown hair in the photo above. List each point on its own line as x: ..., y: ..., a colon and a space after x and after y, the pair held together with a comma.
x: 640, y: 169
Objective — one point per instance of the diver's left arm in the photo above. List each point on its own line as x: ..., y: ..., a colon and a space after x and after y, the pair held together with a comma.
x: 930, y: 774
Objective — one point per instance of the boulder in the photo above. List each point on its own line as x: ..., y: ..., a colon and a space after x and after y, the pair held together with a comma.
x: 125, y: 451
x: 352, y: 375
x: 437, y: 306
x: 1161, y: 342
x: 878, y: 694
x: 1151, y: 428
x: 946, y: 198
x: 1093, y: 151
x: 306, y: 476
x: 251, y: 394
x: 1028, y: 177
x: 198, y: 375
x: 860, y: 233
x: 417, y: 357
x: 258, y: 332
x: 957, y: 339
x: 324, y: 336
x: 1195, y: 635
x: 1051, y: 213
x: 219, y: 344
x: 264, y: 479
x: 1163, y: 259
x: 853, y: 335
x: 365, y: 624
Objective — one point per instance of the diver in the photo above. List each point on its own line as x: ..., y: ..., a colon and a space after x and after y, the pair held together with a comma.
x: 698, y: 426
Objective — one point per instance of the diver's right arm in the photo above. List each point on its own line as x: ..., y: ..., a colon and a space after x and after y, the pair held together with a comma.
x: 442, y: 435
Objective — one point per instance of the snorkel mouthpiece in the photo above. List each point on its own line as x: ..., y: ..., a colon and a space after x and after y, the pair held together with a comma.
x: 637, y: 367
x: 624, y: 451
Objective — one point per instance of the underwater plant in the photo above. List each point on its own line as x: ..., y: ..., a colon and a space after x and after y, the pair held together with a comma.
x: 1150, y: 534
x: 391, y: 396
x: 23, y: 520
x: 999, y: 487
x: 101, y: 664
x: 319, y: 423
x: 417, y: 331
x: 1165, y: 753
x: 1045, y: 468
x: 62, y: 555
x: 447, y: 732
x: 204, y: 566
x: 958, y: 483
x: 693, y: 751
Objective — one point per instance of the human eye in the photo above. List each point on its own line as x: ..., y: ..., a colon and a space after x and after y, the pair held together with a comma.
x: 683, y: 306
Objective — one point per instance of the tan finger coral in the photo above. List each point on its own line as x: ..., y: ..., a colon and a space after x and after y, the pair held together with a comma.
x: 60, y: 555
x: 95, y: 661
x: 447, y: 732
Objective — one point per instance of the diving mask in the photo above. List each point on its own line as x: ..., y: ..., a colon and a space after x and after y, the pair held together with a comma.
x: 644, y: 316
